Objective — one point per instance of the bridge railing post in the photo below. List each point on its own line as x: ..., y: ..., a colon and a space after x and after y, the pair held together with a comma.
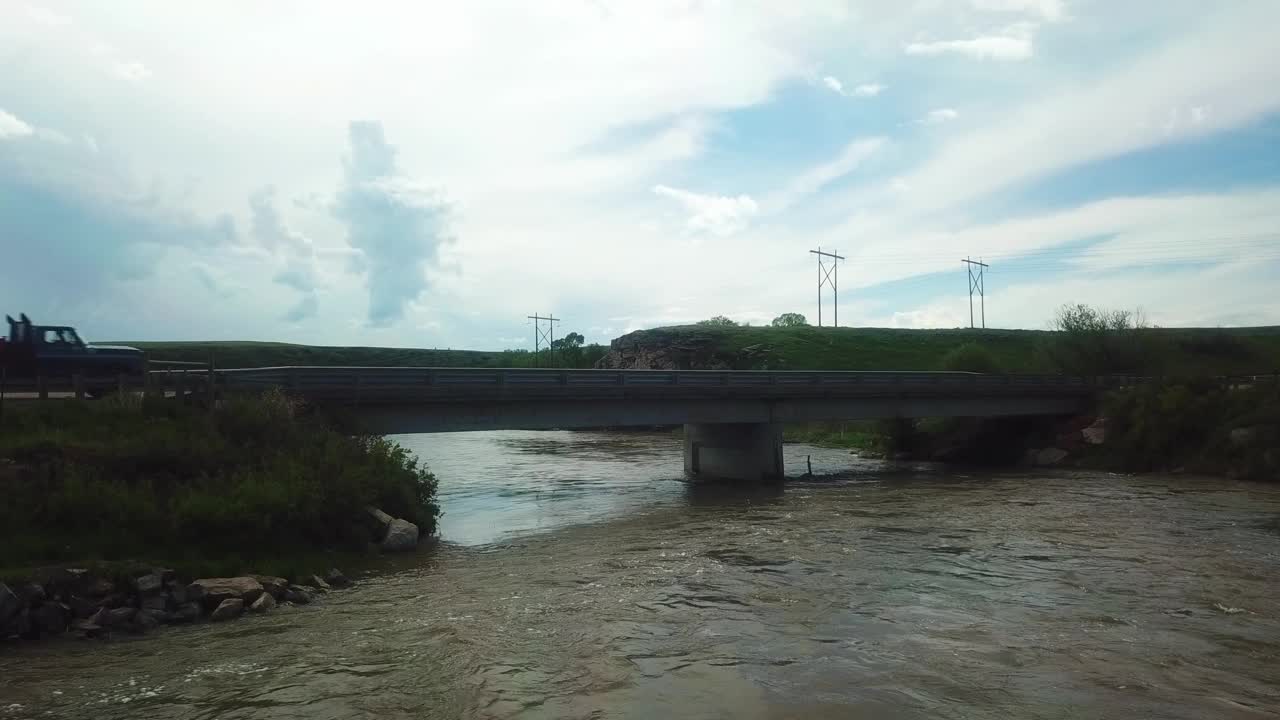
x: 77, y: 382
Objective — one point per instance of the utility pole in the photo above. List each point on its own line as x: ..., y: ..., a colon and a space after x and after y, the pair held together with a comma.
x: 976, y: 283
x: 829, y: 275
x: 540, y: 335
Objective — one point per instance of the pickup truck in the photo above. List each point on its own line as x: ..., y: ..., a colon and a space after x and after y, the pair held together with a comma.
x: 57, y: 351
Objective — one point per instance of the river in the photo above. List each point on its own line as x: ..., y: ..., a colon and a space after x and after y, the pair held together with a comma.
x: 580, y: 577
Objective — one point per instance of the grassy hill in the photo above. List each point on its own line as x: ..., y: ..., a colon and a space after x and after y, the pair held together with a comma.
x: 1184, y: 351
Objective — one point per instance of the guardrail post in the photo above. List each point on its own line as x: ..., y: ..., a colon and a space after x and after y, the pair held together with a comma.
x: 42, y: 387
x: 77, y: 382
x: 621, y: 378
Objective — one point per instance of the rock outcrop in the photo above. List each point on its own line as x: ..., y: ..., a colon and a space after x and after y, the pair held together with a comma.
x: 218, y: 590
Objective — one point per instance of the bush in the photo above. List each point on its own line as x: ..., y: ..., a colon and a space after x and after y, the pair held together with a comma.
x: 261, y: 476
x: 717, y: 321
x: 970, y: 357
x: 790, y: 320
x: 1091, y: 341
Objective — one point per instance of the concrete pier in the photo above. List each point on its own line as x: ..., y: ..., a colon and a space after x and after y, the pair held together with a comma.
x: 749, y: 452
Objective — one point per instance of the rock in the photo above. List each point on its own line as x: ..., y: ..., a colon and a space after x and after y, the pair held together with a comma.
x: 1029, y: 457
x: 148, y: 584
x: 156, y: 602
x: 1243, y: 436
x: 335, y: 577
x: 18, y: 625
x: 1050, y: 456
x: 114, y: 600
x: 108, y: 618
x: 264, y: 603
x: 145, y: 621
x: 1095, y: 434
x: 32, y: 594
x: 100, y: 587
x: 228, y: 609
x: 318, y: 583
x: 10, y: 604
x: 272, y: 584
x: 297, y: 595
x: 402, y: 535
x: 51, y: 618
x: 87, y: 627
x: 82, y: 607
x: 187, y: 612
x: 62, y: 582
x: 193, y: 592
x: 218, y: 590
x: 380, y: 521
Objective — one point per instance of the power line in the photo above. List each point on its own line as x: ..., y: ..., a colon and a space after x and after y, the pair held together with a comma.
x: 976, y: 282
x: 829, y: 275
x: 547, y: 336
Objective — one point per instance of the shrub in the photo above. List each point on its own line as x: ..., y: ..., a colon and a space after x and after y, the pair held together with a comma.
x: 790, y: 320
x: 1092, y: 341
x: 717, y: 321
x: 261, y: 476
x: 970, y: 357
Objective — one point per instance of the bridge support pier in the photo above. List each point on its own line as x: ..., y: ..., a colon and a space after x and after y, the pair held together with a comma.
x: 749, y: 452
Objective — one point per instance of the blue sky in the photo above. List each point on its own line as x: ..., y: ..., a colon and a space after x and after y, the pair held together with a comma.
x: 430, y: 175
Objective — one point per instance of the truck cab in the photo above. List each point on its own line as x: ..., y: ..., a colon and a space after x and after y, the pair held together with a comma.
x: 58, y: 351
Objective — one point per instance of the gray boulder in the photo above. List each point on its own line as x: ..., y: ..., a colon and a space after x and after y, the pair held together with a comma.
x: 10, y: 604
x: 1050, y: 456
x: 335, y: 578
x: 148, y: 584
x: 193, y: 592
x: 275, y: 586
x: 228, y: 609
x: 402, y: 535
x: 187, y: 612
x: 297, y: 595
x: 146, y: 621
x: 156, y: 602
x: 318, y: 583
x: 100, y: 587
x: 379, y: 522
x: 32, y: 594
x: 113, y: 617
x: 218, y: 590
x: 51, y: 618
x: 264, y: 603
x: 1095, y: 434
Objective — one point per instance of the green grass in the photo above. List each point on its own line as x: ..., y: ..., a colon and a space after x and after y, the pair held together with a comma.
x: 850, y: 435
x: 267, y: 354
x: 1183, y: 351
x: 259, y: 484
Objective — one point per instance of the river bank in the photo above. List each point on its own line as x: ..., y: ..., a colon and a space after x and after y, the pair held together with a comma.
x: 101, y: 496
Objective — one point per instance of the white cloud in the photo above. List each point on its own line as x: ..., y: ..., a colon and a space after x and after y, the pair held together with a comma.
x: 1049, y: 10
x: 1014, y: 43
x: 130, y: 70
x: 851, y: 157
x: 717, y: 215
x: 45, y: 16
x: 12, y: 127
x: 940, y: 115
x: 864, y: 90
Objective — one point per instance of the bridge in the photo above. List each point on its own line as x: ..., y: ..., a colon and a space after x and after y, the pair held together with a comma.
x: 733, y: 419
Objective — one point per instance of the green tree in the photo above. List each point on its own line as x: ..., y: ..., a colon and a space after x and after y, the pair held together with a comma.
x: 718, y: 321
x: 790, y: 320
x: 568, y: 349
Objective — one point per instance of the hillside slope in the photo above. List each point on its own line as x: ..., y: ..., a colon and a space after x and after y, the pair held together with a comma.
x: 1184, y: 350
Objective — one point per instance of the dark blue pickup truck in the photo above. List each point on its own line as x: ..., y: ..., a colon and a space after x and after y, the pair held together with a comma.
x: 57, y: 351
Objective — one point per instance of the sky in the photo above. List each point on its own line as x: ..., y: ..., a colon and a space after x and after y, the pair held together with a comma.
x: 430, y: 174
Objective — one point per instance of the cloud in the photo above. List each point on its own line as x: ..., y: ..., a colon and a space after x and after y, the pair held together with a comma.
x: 852, y: 156
x: 12, y: 127
x: 46, y: 17
x: 130, y: 70
x: 213, y: 279
x: 1011, y: 45
x: 864, y: 90
x: 296, y: 252
x: 398, y: 225
x: 941, y: 115
x: 717, y: 215
x: 1049, y: 10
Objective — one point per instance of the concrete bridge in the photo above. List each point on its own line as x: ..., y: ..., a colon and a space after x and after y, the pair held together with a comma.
x: 733, y: 419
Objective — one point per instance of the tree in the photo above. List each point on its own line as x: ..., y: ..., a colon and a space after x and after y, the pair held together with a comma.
x: 1093, y: 341
x: 970, y: 357
x: 569, y: 349
x: 789, y: 320
x: 718, y: 321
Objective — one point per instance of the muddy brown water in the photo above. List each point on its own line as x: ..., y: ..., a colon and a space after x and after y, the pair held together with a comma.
x: 580, y: 577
